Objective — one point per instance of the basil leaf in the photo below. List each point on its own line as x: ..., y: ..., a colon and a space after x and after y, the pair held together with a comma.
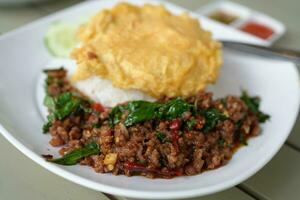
x: 116, y: 114
x: 134, y: 105
x: 240, y: 137
x: 60, y: 107
x: 221, y: 142
x: 191, y: 124
x: 243, y: 139
x: 253, y: 105
x: 47, y: 126
x: 140, y: 111
x: 174, y: 109
x: 240, y: 123
x: 63, y: 99
x: 75, y: 156
x: 67, y: 108
x: 160, y: 136
x: 212, y: 118
x: 53, y: 70
x: 49, y: 102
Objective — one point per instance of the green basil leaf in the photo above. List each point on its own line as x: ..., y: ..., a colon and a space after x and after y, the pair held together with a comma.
x: 63, y: 99
x: 49, y: 102
x: 253, y: 105
x: 61, y: 107
x: 212, y: 118
x: 116, y: 114
x: 191, y: 124
x: 67, y: 108
x: 221, y: 142
x: 47, y: 126
x: 160, y: 136
x: 174, y: 109
x: 75, y: 156
x: 240, y: 137
x: 141, y: 111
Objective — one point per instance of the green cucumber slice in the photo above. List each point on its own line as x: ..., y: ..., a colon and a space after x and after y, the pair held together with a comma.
x: 61, y: 38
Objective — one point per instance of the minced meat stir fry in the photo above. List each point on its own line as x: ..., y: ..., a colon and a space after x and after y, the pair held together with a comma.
x: 163, y: 139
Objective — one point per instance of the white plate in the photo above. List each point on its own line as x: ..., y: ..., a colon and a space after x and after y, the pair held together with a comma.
x: 23, y: 56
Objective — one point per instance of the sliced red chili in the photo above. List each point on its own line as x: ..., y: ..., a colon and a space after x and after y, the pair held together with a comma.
x: 134, y: 166
x: 109, y: 132
x: 178, y: 173
x: 98, y: 107
x: 175, y: 124
x: 173, y: 173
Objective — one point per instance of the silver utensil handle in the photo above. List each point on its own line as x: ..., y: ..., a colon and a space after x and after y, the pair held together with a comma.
x: 270, y: 52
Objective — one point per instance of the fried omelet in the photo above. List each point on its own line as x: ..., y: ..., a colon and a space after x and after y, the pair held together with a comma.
x: 149, y: 49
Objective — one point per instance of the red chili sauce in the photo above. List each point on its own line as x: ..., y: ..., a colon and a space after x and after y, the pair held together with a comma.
x: 258, y: 30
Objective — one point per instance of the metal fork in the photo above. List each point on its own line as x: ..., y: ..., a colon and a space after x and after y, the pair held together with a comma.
x: 270, y: 52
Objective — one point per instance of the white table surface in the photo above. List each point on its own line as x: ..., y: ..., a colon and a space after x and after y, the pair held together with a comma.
x: 21, y: 178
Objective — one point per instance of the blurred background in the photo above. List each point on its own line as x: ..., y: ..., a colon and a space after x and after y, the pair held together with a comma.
x: 14, y: 13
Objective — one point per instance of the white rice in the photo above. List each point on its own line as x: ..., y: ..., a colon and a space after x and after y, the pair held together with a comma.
x: 98, y: 89
x: 102, y: 91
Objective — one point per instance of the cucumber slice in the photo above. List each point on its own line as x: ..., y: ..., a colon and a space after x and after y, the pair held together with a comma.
x: 61, y: 39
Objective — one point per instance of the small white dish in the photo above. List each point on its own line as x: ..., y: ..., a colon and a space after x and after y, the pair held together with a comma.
x: 23, y: 56
x: 245, y: 15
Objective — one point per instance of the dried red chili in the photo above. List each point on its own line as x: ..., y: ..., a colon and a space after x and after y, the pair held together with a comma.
x: 98, y: 107
x: 175, y: 124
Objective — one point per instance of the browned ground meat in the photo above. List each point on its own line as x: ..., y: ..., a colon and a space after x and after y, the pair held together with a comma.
x: 137, y: 150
